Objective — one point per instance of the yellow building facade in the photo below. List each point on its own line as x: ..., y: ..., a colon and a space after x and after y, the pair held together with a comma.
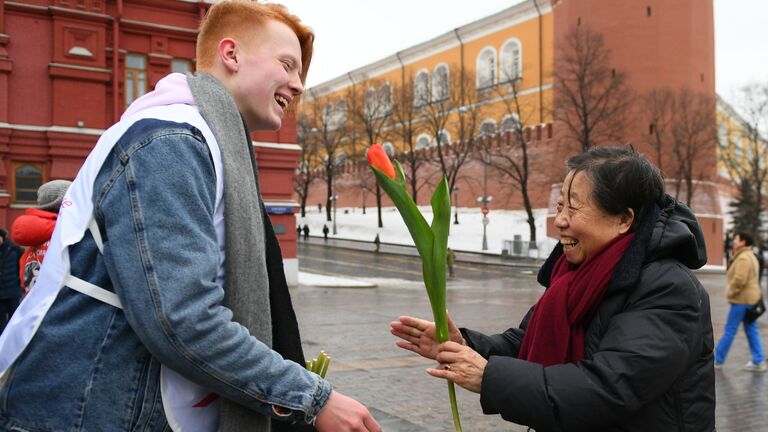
x: 514, y: 45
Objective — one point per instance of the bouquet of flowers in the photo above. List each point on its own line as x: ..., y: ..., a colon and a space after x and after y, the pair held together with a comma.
x: 431, y: 240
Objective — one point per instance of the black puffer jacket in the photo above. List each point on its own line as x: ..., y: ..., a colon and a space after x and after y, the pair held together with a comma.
x: 648, y: 362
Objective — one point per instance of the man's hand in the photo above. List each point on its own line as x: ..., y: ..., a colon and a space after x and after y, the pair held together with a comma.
x: 344, y: 414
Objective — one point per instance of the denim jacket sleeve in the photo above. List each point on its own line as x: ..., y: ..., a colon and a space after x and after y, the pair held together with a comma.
x: 155, y: 205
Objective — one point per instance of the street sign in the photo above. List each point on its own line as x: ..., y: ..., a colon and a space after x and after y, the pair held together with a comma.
x: 484, y: 210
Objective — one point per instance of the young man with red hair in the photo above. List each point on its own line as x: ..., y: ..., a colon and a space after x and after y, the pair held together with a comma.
x: 162, y: 302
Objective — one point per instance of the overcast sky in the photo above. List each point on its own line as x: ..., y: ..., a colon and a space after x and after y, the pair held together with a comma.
x: 354, y: 33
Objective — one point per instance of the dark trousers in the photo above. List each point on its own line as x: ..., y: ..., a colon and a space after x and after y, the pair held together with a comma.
x: 7, y: 308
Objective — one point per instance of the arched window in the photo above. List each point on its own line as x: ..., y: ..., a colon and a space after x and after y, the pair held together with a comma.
x: 486, y: 68
x: 389, y: 149
x: 423, y: 141
x: 328, y: 115
x: 440, y: 81
x: 421, y: 89
x: 511, y: 63
x: 385, y: 99
x: 369, y: 102
x: 339, y: 116
x: 488, y: 128
x: 445, y: 138
x: 510, y: 123
x: 341, y: 158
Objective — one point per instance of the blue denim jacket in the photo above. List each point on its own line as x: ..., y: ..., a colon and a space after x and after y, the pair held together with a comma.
x: 94, y: 367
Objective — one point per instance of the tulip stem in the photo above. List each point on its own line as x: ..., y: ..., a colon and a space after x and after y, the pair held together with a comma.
x: 454, y: 407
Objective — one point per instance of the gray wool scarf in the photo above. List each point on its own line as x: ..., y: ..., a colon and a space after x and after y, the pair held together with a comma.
x: 246, y: 283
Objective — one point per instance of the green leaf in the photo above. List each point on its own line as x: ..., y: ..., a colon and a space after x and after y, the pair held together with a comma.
x: 414, y: 220
x: 441, y: 223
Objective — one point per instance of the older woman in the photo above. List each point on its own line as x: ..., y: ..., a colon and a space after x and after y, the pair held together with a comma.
x: 622, y: 337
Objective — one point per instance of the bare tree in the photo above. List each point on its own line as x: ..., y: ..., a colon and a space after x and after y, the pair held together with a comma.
x: 509, y: 155
x: 327, y: 122
x: 405, y: 128
x: 305, y: 176
x: 591, y: 97
x: 658, y: 105
x: 693, y: 139
x: 371, y: 117
x: 460, y: 111
x: 744, y: 151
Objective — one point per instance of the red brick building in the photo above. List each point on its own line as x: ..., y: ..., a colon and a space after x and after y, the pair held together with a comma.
x: 69, y: 68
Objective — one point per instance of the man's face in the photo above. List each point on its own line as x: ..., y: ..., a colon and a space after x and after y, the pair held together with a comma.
x: 738, y: 243
x: 267, y: 77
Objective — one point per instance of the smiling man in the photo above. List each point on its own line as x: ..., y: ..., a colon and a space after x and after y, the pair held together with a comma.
x: 162, y: 302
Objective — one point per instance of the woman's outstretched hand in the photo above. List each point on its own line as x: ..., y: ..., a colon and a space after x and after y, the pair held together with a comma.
x: 418, y: 335
x: 460, y: 364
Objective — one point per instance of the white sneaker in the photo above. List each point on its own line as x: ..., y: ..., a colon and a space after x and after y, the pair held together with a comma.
x: 755, y: 367
x: 718, y: 365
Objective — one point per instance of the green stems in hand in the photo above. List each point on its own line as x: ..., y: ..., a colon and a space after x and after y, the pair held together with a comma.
x: 320, y: 364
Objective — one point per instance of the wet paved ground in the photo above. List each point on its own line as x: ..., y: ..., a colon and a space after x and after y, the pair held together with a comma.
x: 351, y: 324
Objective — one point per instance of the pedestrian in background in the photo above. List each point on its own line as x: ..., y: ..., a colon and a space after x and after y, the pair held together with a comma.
x: 10, y: 286
x: 377, y: 243
x: 34, y: 228
x: 450, y: 258
x: 743, y: 292
x: 162, y: 303
x: 325, y: 232
x: 305, y: 230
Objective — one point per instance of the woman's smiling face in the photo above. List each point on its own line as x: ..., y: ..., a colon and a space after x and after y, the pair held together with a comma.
x: 582, y: 226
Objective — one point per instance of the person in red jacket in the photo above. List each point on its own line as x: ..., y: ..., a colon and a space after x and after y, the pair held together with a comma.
x: 34, y: 229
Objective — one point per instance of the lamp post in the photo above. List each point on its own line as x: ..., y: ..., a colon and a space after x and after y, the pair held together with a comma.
x: 333, y: 202
x: 485, y: 200
x: 364, y: 187
x: 455, y: 191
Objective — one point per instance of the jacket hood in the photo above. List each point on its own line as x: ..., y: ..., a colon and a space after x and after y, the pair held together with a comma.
x: 173, y: 89
x: 34, y: 227
x: 677, y: 234
x: 671, y: 231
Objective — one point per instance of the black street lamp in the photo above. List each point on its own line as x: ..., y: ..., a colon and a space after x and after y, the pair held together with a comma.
x: 455, y: 191
x: 333, y: 202
x: 365, y: 189
x: 485, y: 200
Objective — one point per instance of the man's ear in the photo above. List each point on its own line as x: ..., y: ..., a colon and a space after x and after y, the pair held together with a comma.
x: 625, y: 223
x: 228, y: 49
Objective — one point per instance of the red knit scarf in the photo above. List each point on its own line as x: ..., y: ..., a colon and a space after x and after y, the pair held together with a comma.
x: 555, y: 333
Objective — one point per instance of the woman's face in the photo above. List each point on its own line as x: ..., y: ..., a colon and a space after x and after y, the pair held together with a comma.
x: 582, y: 226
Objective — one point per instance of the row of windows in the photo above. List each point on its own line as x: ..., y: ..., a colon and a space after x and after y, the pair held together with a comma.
x: 436, y: 86
x: 487, y: 128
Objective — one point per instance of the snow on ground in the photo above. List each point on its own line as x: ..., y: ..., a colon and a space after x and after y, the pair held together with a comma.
x: 503, y: 225
x: 318, y: 280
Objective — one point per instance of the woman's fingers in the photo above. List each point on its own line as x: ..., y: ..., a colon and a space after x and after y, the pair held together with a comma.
x: 417, y: 323
x: 451, y: 346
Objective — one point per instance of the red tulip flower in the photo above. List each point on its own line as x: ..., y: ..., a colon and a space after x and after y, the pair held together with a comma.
x: 378, y: 159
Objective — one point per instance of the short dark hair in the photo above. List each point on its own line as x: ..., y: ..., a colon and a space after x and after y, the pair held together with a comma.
x: 746, y: 237
x: 621, y: 179
x: 3, y: 234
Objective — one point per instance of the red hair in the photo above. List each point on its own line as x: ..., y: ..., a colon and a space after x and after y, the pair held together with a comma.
x: 240, y: 19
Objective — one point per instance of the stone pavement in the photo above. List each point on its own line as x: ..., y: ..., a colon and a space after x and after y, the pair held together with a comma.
x: 351, y: 325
